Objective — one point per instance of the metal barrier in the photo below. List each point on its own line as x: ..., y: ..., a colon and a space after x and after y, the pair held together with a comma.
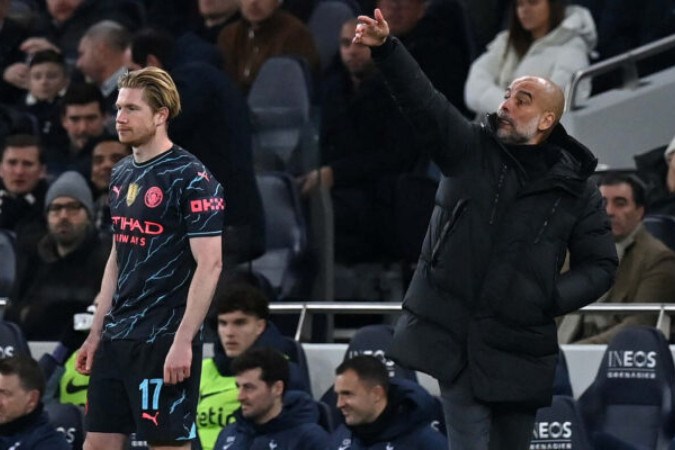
x: 306, y: 309
x: 627, y: 62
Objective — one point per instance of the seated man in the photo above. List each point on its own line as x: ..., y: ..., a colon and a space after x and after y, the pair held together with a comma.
x: 380, y: 410
x: 241, y: 319
x: 646, y: 266
x: 62, y: 274
x: 83, y: 118
x: 22, y: 188
x: 105, y: 155
x: 264, y: 31
x: 23, y: 423
x: 270, y: 416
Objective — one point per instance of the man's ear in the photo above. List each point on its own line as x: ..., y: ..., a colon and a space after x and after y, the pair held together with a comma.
x: 641, y: 211
x: 161, y: 116
x: 547, y: 121
x: 33, y: 399
x: 278, y: 388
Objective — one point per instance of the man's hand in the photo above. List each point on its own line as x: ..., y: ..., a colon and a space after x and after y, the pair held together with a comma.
x: 311, y: 180
x: 17, y: 75
x: 36, y: 44
x: 371, y: 32
x: 178, y: 362
x: 85, y: 355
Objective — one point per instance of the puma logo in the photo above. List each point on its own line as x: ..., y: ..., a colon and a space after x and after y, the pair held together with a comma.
x: 116, y: 190
x: 151, y: 418
x: 204, y: 175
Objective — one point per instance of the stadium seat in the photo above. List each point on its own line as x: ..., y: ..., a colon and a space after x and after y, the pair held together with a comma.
x: 279, y: 100
x: 661, y: 227
x: 69, y: 420
x: 325, y: 24
x: 8, y: 258
x: 561, y: 382
x: 325, y: 416
x: 286, y: 252
x: 631, y: 399
x: 560, y: 426
x: 12, y: 340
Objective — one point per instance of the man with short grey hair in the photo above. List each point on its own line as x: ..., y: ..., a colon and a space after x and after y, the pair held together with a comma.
x: 101, y: 58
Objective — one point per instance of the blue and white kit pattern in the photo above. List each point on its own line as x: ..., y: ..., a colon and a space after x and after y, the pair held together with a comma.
x: 156, y: 207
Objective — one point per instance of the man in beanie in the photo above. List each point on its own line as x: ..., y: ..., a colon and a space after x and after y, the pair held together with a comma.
x: 61, y: 275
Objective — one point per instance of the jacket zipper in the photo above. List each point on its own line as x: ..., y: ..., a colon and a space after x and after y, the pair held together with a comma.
x: 449, y: 225
x: 495, y: 201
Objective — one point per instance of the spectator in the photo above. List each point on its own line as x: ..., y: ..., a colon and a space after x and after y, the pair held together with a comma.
x: 365, y: 143
x: 242, y: 321
x: 22, y: 188
x: 646, y: 266
x: 215, y: 126
x: 23, y: 422
x: 101, y: 59
x: 545, y: 38
x: 379, y: 410
x: 14, y: 80
x: 264, y: 31
x: 216, y: 15
x: 61, y: 25
x: 428, y: 29
x: 107, y: 152
x: 658, y: 167
x: 61, y: 276
x: 270, y: 416
x: 47, y: 83
x: 83, y: 117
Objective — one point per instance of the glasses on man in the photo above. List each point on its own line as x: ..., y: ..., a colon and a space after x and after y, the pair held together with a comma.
x: 69, y: 208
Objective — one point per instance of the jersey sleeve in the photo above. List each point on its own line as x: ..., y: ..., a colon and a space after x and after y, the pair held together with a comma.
x: 203, y: 203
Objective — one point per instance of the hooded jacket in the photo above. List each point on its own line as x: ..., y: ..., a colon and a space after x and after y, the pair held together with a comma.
x: 555, y: 56
x: 218, y: 391
x: 406, y: 423
x: 487, y: 286
x: 296, y: 428
x: 32, y: 432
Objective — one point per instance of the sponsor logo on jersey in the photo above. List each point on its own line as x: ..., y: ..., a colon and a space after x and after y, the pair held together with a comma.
x: 72, y: 388
x: 152, y: 418
x: 207, y: 204
x: 132, y: 193
x: 153, y: 197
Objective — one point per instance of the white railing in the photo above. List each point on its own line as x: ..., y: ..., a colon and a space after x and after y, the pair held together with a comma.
x: 305, y: 310
x: 627, y: 62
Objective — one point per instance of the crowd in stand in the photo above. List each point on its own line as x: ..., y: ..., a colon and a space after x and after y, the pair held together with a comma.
x: 60, y: 60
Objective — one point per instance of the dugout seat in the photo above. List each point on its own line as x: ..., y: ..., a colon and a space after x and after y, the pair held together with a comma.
x: 560, y: 426
x: 631, y: 399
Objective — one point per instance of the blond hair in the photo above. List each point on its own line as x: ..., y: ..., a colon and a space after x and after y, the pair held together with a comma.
x: 159, y: 90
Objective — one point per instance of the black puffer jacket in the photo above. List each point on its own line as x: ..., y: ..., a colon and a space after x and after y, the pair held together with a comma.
x: 486, y: 289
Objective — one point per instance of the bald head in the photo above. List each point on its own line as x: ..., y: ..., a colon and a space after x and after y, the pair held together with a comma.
x: 548, y: 94
x: 531, y: 109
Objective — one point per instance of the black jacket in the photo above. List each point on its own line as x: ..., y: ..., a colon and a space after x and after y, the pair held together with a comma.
x: 32, y: 432
x: 487, y: 286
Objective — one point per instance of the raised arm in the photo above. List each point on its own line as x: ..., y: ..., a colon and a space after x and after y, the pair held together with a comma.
x: 208, y: 255
x: 442, y: 129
